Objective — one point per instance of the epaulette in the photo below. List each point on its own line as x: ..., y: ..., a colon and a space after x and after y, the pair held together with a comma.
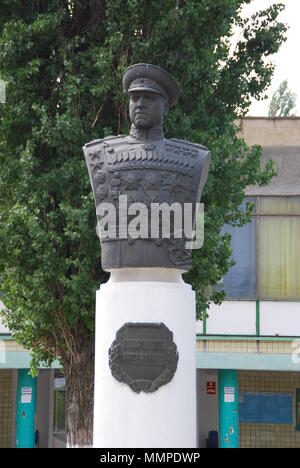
x: 107, y: 139
x: 93, y: 143
x: 189, y: 144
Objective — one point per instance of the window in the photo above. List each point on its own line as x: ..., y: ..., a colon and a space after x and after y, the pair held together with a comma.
x: 59, y: 411
x: 279, y: 249
x: 267, y: 252
x: 240, y: 281
x: 59, y: 419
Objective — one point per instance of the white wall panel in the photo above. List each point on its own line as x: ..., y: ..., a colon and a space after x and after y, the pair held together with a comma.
x: 280, y: 318
x: 232, y: 318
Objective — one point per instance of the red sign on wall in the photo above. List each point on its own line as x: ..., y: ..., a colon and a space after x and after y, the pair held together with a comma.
x: 210, y: 388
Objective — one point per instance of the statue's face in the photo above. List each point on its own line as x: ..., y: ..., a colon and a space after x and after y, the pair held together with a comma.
x: 146, y: 109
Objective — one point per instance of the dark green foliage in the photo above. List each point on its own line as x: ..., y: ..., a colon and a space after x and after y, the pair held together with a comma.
x: 63, y: 62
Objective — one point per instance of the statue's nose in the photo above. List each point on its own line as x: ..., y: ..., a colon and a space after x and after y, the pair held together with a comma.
x: 141, y: 101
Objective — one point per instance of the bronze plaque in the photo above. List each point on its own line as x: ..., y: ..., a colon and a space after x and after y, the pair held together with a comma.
x: 143, y: 356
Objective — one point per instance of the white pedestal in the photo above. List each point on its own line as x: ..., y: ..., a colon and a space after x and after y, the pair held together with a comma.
x: 165, y: 418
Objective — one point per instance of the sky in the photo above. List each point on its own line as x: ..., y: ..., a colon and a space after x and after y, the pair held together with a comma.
x: 287, y: 60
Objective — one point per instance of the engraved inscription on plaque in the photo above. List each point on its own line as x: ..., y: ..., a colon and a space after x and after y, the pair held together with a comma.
x: 143, y: 356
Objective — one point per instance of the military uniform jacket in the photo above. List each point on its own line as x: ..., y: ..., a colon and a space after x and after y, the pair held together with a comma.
x: 149, y: 172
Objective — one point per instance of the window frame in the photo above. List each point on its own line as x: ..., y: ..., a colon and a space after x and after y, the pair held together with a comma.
x: 258, y: 215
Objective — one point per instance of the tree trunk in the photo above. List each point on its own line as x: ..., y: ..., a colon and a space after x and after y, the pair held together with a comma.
x: 79, y: 373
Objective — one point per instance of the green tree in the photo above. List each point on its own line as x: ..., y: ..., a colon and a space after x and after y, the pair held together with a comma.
x: 283, y: 101
x: 62, y: 62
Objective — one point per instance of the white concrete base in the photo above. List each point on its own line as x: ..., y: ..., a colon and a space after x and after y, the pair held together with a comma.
x: 165, y: 418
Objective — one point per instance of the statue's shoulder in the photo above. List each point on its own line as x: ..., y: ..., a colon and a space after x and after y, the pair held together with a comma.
x: 107, y: 141
x: 187, y: 145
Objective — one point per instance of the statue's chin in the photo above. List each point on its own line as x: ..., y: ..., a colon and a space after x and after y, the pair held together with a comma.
x: 142, y: 126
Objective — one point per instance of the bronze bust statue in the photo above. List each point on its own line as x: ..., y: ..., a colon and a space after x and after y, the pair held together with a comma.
x: 147, y: 168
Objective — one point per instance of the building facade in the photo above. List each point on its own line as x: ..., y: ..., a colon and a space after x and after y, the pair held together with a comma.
x: 249, y: 347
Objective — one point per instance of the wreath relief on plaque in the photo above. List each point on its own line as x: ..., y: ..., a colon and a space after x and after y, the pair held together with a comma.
x: 143, y: 356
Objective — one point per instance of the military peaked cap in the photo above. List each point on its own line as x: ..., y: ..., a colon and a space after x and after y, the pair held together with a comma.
x: 147, y: 77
